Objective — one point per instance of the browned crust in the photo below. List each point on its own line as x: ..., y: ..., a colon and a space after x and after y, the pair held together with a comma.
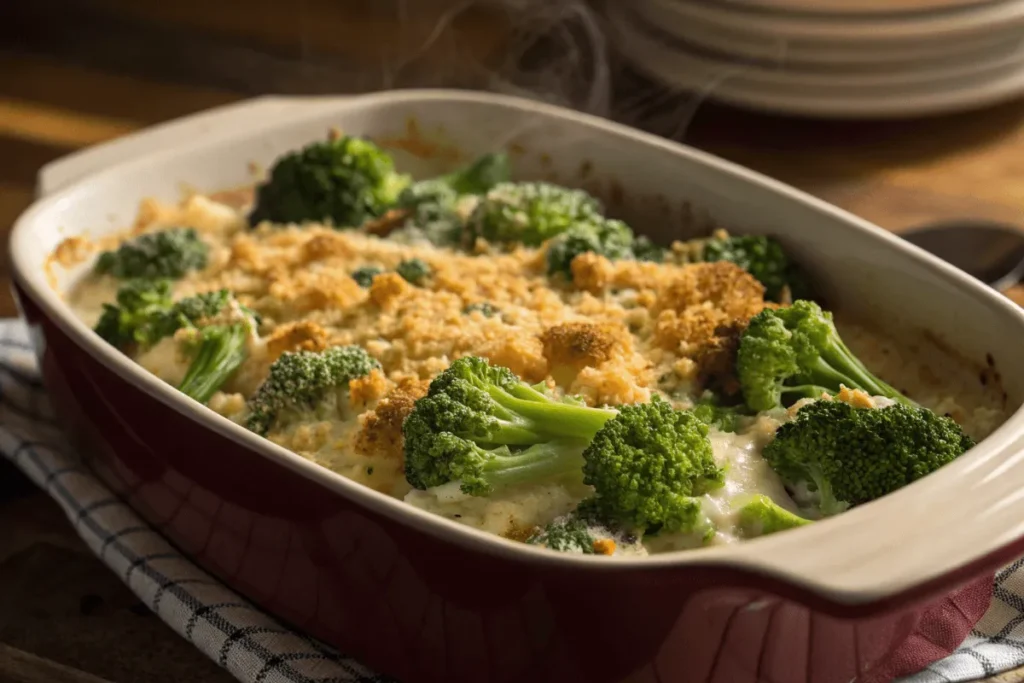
x: 303, y: 335
x: 579, y: 344
x: 381, y: 433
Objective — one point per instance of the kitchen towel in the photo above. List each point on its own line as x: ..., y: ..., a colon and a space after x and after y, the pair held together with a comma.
x: 253, y: 646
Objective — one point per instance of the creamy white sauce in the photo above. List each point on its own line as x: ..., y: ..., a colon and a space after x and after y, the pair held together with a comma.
x: 746, y: 474
x: 165, y: 360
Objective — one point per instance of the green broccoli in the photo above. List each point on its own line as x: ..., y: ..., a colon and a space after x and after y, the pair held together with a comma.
x: 216, y: 352
x: 437, y: 206
x: 414, y: 271
x: 582, y: 531
x: 847, y: 456
x: 483, y: 427
x: 762, y: 516
x: 130, y: 320
x: 166, y: 254
x: 606, y: 237
x: 430, y: 224
x: 435, y: 458
x: 568, y: 534
x: 765, y: 259
x: 306, y: 383
x: 649, y: 466
x: 218, y: 330
x: 725, y: 418
x: 364, y: 276
x: 610, y: 238
x: 345, y: 181
x: 486, y: 309
x: 442, y: 191
x: 646, y: 250
x: 795, y: 352
x: 529, y: 213
x: 473, y: 412
x: 145, y: 313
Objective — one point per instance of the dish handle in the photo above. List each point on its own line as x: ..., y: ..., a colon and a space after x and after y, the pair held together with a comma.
x: 236, y: 118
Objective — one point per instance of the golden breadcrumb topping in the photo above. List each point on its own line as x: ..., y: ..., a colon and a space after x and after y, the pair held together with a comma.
x: 855, y: 397
x: 617, y: 334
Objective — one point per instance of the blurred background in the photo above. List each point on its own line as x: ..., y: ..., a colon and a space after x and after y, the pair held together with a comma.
x: 905, y: 112
x: 902, y: 111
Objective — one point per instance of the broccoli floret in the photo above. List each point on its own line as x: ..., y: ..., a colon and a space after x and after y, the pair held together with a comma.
x: 432, y: 226
x: 301, y: 383
x: 436, y: 205
x: 344, y: 181
x: 606, y: 237
x: 765, y: 259
x: 648, y: 467
x: 145, y: 313
x: 436, y: 458
x: 480, y: 176
x: 129, y: 321
x: 724, y: 418
x: 530, y: 213
x: 583, y: 531
x: 569, y: 534
x: 646, y: 250
x: 220, y: 327
x: 847, y: 456
x: 762, y: 516
x: 610, y: 238
x: 166, y: 254
x: 364, y: 276
x: 475, y: 179
x: 414, y: 271
x: 473, y: 412
x: 486, y: 309
x: 796, y: 352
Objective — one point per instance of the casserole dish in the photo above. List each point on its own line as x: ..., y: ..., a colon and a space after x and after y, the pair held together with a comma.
x: 425, y: 599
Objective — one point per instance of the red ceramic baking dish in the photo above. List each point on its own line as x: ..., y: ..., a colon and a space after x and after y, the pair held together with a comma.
x: 859, y: 596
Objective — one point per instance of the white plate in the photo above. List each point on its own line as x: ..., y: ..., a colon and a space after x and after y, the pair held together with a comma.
x: 846, y: 7
x: 677, y: 21
x: 636, y: 38
x: 954, y: 24
x: 746, y: 87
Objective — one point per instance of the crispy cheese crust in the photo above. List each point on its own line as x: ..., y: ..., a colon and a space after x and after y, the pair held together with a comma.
x: 621, y: 332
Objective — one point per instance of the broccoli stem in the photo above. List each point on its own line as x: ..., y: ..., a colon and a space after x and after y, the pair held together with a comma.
x: 763, y: 516
x: 538, y: 415
x: 827, y: 501
x: 221, y: 351
x: 798, y: 391
x: 537, y: 463
x: 484, y: 173
x: 840, y: 365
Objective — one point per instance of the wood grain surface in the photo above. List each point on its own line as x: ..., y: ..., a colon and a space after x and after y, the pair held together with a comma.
x: 93, y: 71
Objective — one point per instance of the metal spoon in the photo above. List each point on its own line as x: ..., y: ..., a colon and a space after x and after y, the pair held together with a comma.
x: 991, y: 252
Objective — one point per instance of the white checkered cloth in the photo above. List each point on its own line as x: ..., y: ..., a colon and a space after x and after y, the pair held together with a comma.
x: 248, y: 643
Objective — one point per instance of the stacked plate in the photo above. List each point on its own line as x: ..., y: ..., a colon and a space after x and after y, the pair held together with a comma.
x: 829, y: 58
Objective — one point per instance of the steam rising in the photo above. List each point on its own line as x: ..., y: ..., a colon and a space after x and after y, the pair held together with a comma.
x: 556, y: 51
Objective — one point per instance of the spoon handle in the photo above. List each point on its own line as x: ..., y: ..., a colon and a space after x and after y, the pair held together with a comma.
x: 1011, y: 279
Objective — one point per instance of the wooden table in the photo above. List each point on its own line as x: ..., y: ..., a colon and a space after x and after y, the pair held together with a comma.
x: 63, y: 617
